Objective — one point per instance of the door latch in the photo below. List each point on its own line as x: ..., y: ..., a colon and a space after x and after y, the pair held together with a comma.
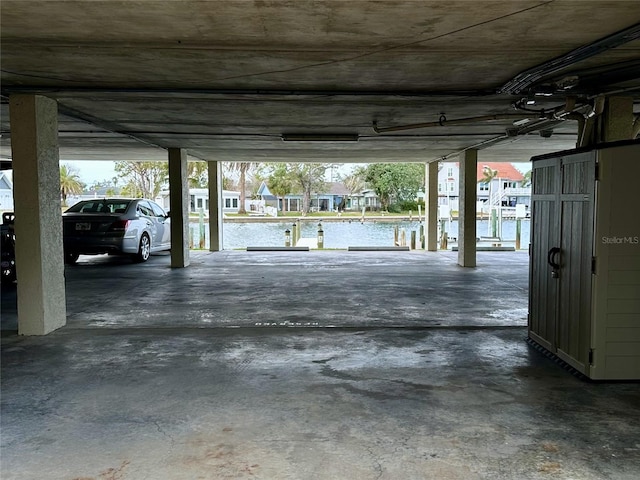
x: 551, y: 260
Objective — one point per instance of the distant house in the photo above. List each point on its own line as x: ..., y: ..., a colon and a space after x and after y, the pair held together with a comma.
x: 264, y: 199
x: 334, y: 198
x: 6, y: 193
x: 367, y: 198
x: 199, y: 200
x: 504, y: 190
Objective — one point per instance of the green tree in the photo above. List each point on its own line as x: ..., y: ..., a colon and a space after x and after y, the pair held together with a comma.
x: 355, y: 181
x: 309, y: 177
x: 130, y: 190
x: 143, y: 179
x: 70, y: 183
x: 526, y: 182
x: 281, y: 182
x: 243, y: 169
x: 394, y: 182
x: 198, y: 174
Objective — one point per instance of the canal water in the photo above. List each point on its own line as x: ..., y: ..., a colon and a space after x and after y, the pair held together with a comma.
x: 343, y: 234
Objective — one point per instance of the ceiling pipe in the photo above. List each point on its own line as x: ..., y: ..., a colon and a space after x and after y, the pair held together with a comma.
x: 588, y: 130
x: 479, y: 146
x: 566, y: 112
x: 584, y: 114
x: 579, y: 117
x: 458, y: 121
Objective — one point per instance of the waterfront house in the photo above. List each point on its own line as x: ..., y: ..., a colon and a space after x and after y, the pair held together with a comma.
x: 505, y: 189
x: 199, y: 200
x: 335, y: 197
x: 367, y: 199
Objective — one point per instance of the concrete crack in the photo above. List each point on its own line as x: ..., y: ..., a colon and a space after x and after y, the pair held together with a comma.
x: 377, y: 465
x: 164, y: 433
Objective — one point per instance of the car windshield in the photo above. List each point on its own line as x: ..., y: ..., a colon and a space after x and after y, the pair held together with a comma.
x: 100, y: 206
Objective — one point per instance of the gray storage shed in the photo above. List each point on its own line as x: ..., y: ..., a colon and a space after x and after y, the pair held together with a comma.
x: 584, y: 300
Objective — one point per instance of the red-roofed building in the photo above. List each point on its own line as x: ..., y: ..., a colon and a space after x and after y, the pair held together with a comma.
x: 505, y: 188
x: 504, y: 170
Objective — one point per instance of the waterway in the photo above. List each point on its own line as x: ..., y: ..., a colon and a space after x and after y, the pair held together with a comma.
x: 343, y: 234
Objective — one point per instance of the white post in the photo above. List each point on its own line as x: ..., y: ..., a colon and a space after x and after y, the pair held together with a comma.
x: 215, y: 206
x: 431, y: 206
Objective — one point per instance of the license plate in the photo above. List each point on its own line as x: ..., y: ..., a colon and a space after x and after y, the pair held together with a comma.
x: 83, y: 226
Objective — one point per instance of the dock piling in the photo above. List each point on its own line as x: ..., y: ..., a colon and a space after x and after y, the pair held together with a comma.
x: 294, y: 234
x: 320, y: 236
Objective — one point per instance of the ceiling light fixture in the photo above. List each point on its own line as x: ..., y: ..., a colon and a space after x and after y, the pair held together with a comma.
x: 319, y: 137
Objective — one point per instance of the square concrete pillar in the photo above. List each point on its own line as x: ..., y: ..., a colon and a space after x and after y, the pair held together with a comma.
x: 616, y: 122
x: 431, y: 206
x: 179, y: 207
x: 38, y: 224
x: 467, y: 208
x: 215, y: 206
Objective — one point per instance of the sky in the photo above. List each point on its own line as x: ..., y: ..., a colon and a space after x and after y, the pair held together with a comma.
x: 92, y: 171
x: 97, y: 171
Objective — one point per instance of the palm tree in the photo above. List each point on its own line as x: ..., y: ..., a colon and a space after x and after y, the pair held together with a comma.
x: 243, y: 168
x: 70, y: 183
x: 488, y: 174
x: 197, y: 174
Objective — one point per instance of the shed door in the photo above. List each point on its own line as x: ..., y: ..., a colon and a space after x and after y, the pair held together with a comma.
x: 545, y: 236
x: 574, y: 315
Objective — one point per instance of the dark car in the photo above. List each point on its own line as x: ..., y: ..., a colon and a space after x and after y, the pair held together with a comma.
x: 132, y: 226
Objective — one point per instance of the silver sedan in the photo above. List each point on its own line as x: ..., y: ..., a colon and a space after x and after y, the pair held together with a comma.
x: 131, y: 226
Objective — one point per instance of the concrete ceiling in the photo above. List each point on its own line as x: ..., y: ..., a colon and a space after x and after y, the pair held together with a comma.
x: 226, y: 79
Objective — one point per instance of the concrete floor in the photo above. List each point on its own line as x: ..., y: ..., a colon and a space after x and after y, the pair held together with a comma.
x: 220, y: 371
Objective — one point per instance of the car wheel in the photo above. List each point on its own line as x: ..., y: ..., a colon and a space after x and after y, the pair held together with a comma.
x: 71, y: 258
x: 144, y: 250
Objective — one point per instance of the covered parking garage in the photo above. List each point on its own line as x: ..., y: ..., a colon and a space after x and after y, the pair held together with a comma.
x: 239, y: 81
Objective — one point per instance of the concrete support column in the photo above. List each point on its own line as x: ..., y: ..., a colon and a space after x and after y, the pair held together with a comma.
x: 616, y: 122
x: 215, y: 206
x: 431, y: 206
x: 179, y: 207
x: 467, y: 208
x: 38, y: 224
